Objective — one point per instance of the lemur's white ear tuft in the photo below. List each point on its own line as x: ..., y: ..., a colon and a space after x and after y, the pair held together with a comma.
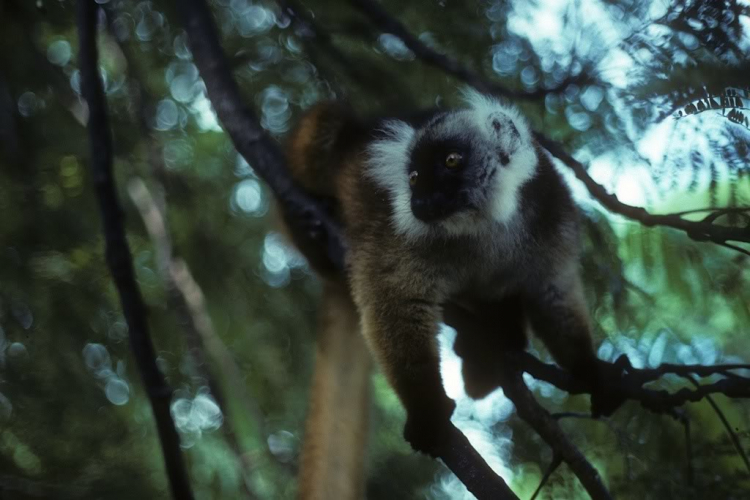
x: 388, y: 156
x: 484, y: 106
x: 477, y: 100
x: 505, y: 130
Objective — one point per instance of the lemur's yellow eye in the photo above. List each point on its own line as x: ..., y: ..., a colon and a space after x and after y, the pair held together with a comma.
x: 413, y: 178
x: 453, y: 160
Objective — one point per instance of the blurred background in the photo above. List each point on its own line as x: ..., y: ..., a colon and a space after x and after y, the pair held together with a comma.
x: 622, y: 85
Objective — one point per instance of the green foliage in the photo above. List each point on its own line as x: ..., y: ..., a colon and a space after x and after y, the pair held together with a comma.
x: 74, y: 419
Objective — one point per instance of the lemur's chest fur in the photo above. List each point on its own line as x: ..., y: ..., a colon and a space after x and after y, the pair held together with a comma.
x: 486, y: 266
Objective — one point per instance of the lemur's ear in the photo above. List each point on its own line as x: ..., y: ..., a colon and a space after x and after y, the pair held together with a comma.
x: 313, y: 145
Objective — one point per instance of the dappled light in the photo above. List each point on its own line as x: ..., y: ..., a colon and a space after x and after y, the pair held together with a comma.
x: 641, y: 106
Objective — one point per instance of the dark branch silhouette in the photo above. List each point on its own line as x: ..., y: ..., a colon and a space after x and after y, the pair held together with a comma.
x: 547, y: 427
x: 118, y: 254
x: 554, y: 464
x: 633, y: 379
x: 316, y: 40
x: 704, y: 230
x: 471, y: 469
x: 186, y: 299
x: 320, y: 48
x: 243, y: 127
x: 732, y: 435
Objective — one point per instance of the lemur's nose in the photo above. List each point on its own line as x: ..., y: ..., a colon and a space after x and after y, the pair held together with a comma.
x: 431, y: 208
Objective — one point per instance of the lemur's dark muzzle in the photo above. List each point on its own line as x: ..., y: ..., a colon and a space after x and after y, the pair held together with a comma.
x: 438, y: 206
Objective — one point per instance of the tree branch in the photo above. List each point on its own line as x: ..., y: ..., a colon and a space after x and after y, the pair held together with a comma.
x: 726, y: 424
x: 631, y: 383
x: 698, y: 230
x: 184, y: 294
x: 554, y: 464
x: 312, y: 36
x: 387, y: 23
x: 547, y: 427
x: 118, y: 253
x: 470, y: 468
x: 186, y: 299
x: 251, y: 141
x: 317, y: 41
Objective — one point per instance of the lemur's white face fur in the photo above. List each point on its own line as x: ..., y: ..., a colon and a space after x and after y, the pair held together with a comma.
x: 459, y: 172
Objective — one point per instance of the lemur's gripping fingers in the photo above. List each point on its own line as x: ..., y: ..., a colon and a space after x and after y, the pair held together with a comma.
x: 428, y: 413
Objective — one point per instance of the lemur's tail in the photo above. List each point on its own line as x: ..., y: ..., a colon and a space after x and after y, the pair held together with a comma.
x: 313, y: 145
x: 332, y: 465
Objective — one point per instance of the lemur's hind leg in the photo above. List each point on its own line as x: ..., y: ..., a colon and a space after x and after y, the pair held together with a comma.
x: 484, y: 330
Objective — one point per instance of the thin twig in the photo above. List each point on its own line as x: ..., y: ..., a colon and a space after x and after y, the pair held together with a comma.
x: 186, y: 299
x: 735, y: 248
x: 554, y: 464
x: 573, y: 414
x: 644, y: 375
x: 685, y: 421
x: 118, y: 254
x: 727, y: 425
x: 631, y: 383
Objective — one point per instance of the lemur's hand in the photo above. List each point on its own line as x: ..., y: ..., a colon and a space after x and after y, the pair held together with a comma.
x: 427, y: 425
x: 608, y: 392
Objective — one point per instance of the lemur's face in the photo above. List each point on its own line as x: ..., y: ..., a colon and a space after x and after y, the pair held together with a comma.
x: 454, y: 164
x: 457, y: 172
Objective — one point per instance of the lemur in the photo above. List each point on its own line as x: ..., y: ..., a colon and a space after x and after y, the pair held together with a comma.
x: 449, y: 212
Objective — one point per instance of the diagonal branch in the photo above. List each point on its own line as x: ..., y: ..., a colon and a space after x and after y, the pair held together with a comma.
x: 315, y: 40
x: 554, y: 464
x: 243, y: 127
x: 726, y: 424
x: 118, y: 254
x: 547, y: 427
x: 471, y: 469
x: 702, y: 230
x: 186, y: 299
x: 389, y: 24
